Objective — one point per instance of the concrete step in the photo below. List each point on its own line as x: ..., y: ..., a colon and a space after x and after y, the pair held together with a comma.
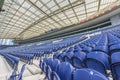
x: 4, y: 66
x: 34, y: 77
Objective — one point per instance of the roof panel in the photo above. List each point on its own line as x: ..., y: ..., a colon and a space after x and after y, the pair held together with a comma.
x: 29, y: 18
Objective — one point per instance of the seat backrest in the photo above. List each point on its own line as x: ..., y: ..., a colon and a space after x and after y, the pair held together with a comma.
x: 88, y: 74
x: 101, y: 48
x: 65, y: 70
x: 113, y: 39
x: 56, y: 55
x: 103, y: 40
x: 48, y: 72
x: 55, y: 64
x: 115, y: 65
x: 115, y: 48
x: 98, y: 61
x: 99, y: 56
x: 62, y: 55
x: 16, y: 59
x: 55, y: 76
x: 21, y: 72
x: 78, y: 59
x: 13, y: 75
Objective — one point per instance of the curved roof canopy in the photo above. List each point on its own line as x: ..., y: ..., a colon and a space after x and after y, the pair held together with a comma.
x: 29, y: 18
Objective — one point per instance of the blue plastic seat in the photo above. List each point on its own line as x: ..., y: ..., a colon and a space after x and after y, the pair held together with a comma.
x: 43, y: 66
x: 54, y: 64
x: 70, y: 49
x: 55, y: 76
x: 78, y: 59
x: 40, y: 65
x: 115, y: 48
x: 13, y: 75
x: 64, y: 71
x: 61, y: 56
x: 115, y: 65
x: 48, y: 72
x: 21, y: 72
x: 101, y: 48
x: 113, y: 40
x: 103, y: 40
x: 86, y: 49
x: 88, y: 74
x: 77, y: 47
x: 98, y: 61
x: 56, y: 55
x: 68, y: 57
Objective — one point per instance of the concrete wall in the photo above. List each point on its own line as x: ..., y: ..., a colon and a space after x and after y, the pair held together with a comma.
x: 115, y: 20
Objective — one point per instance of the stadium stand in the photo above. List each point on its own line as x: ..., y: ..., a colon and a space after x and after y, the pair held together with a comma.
x: 45, y: 48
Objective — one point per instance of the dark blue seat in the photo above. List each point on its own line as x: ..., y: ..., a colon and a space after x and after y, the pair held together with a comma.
x: 64, y: 71
x: 98, y: 61
x: 78, y: 59
x: 88, y: 74
x: 115, y: 65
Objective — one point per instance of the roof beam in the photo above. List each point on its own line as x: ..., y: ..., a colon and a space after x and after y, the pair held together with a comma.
x: 99, y: 2
x: 85, y: 9
x: 76, y: 3
x: 42, y: 12
x: 73, y: 11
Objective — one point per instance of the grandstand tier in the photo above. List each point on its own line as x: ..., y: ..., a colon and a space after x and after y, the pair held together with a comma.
x: 59, y: 39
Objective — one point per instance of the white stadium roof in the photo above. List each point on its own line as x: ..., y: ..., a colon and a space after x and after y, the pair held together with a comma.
x: 29, y: 18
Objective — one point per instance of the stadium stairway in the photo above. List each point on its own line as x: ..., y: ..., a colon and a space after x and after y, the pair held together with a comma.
x: 4, y: 69
x: 32, y: 72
